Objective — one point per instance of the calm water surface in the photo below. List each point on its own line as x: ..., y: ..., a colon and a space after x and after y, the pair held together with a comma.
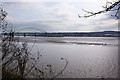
x: 86, y: 60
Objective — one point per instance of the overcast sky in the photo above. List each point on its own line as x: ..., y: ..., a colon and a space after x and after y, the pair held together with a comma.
x: 54, y: 16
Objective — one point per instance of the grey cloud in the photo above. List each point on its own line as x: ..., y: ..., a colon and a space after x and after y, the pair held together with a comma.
x: 36, y: 25
x: 107, y: 28
x: 48, y: 17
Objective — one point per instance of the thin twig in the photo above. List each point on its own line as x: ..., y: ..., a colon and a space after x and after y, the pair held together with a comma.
x: 61, y: 70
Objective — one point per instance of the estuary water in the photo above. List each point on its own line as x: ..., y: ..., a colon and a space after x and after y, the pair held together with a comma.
x: 88, y: 57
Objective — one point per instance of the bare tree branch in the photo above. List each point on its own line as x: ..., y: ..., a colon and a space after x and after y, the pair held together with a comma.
x: 107, y: 8
x: 62, y: 69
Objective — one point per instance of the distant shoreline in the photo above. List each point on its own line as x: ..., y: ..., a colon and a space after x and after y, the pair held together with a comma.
x: 68, y: 34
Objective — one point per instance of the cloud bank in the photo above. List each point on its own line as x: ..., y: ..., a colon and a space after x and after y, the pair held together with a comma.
x: 58, y: 16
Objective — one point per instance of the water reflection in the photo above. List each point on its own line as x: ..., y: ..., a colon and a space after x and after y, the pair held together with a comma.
x: 85, y: 61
